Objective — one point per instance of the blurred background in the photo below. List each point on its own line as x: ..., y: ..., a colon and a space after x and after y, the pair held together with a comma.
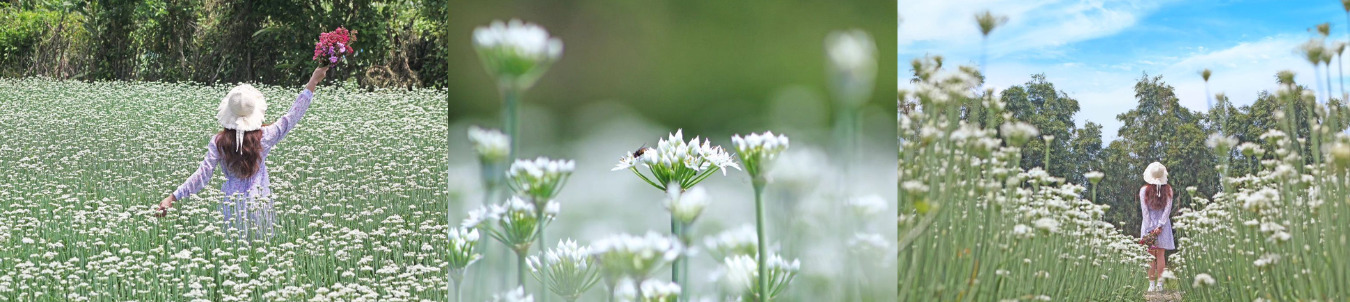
x: 632, y: 72
x: 706, y: 66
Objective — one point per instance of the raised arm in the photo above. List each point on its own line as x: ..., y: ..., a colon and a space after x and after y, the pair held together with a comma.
x: 198, y: 179
x: 292, y: 117
x: 316, y: 77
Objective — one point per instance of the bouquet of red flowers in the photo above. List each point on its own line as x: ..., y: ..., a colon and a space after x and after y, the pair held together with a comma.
x: 1151, y: 238
x: 333, y: 46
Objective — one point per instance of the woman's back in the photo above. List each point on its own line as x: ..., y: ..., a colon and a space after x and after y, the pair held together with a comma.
x: 256, y: 185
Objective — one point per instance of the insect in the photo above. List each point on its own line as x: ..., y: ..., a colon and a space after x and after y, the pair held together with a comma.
x: 640, y: 150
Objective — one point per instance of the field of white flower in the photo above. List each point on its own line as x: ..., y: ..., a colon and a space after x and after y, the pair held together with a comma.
x: 973, y: 225
x: 1280, y: 234
x: 359, y: 189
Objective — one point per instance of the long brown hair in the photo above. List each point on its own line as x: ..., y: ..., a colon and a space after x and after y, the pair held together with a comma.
x: 242, y: 162
x: 1156, y: 196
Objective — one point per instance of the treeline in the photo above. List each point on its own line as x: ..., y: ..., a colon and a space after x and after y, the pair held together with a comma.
x: 220, y: 41
x: 1157, y: 129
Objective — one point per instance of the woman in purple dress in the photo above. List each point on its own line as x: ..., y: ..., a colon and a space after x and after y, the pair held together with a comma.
x: 1155, y: 203
x: 242, y: 148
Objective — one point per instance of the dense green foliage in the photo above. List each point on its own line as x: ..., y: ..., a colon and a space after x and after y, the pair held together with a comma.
x: 218, y: 41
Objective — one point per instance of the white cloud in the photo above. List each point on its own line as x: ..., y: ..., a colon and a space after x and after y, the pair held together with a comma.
x: 948, y: 27
x: 1104, y: 91
x: 1039, y: 33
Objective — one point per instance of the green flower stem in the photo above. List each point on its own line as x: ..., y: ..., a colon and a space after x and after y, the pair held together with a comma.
x: 539, y: 216
x: 510, y: 120
x: 763, y: 258
x: 683, y: 264
x: 675, y: 268
x: 520, y: 266
x: 458, y: 296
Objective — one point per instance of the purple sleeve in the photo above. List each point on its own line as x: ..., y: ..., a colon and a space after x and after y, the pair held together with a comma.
x: 1167, y: 211
x: 276, y: 131
x: 200, y: 178
x: 1143, y: 203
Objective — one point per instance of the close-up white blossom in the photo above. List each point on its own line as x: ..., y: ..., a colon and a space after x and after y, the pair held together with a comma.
x: 853, y: 64
x: 686, y: 206
x: 674, y: 161
x: 490, y: 144
x: 541, y: 178
x: 566, y: 270
x: 515, y: 51
x: 635, y: 257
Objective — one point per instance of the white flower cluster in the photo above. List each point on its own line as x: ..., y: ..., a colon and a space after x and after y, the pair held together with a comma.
x: 490, y: 144
x: 740, y: 274
x: 463, y: 248
x: 675, y: 161
x: 1221, y: 143
x: 517, y: 221
x: 540, y: 178
x: 567, y: 270
x: 853, y: 64
x: 764, y: 146
x: 515, y: 295
x: 516, y: 51
x: 650, y: 290
x: 635, y: 257
x: 737, y: 241
x: 686, y: 206
x: 522, y: 39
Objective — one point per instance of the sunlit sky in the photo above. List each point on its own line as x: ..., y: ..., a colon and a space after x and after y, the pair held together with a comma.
x: 1095, y: 50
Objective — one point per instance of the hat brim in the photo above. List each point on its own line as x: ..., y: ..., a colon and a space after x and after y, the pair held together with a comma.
x: 250, y: 122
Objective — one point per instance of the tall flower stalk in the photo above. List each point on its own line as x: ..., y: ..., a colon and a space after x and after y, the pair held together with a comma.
x: 851, y: 57
x: 757, y: 152
x: 463, y: 252
x: 515, y: 224
x: 493, y: 148
x: 676, y: 165
x: 987, y: 22
x: 516, y: 54
x: 539, y: 180
x: 684, y: 207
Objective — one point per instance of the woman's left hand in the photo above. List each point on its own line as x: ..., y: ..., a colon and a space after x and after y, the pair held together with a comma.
x: 164, y: 206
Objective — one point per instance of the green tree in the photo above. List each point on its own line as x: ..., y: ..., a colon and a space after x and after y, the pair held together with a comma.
x: 1051, y: 111
x: 1158, y: 129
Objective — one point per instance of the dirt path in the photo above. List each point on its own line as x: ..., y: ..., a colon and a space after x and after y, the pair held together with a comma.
x: 1164, y: 296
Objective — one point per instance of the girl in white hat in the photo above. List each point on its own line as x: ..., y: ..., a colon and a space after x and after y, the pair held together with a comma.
x: 242, y: 148
x: 1155, y: 203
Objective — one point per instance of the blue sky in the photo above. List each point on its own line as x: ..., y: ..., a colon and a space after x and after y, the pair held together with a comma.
x: 1095, y: 50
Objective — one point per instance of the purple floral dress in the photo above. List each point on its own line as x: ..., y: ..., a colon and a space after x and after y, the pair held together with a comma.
x: 1153, y: 219
x: 247, y: 205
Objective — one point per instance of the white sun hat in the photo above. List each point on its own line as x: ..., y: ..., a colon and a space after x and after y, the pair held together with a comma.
x: 242, y: 110
x: 1155, y: 174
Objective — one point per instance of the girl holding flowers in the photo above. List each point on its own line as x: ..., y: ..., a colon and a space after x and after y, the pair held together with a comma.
x: 243, y: 144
